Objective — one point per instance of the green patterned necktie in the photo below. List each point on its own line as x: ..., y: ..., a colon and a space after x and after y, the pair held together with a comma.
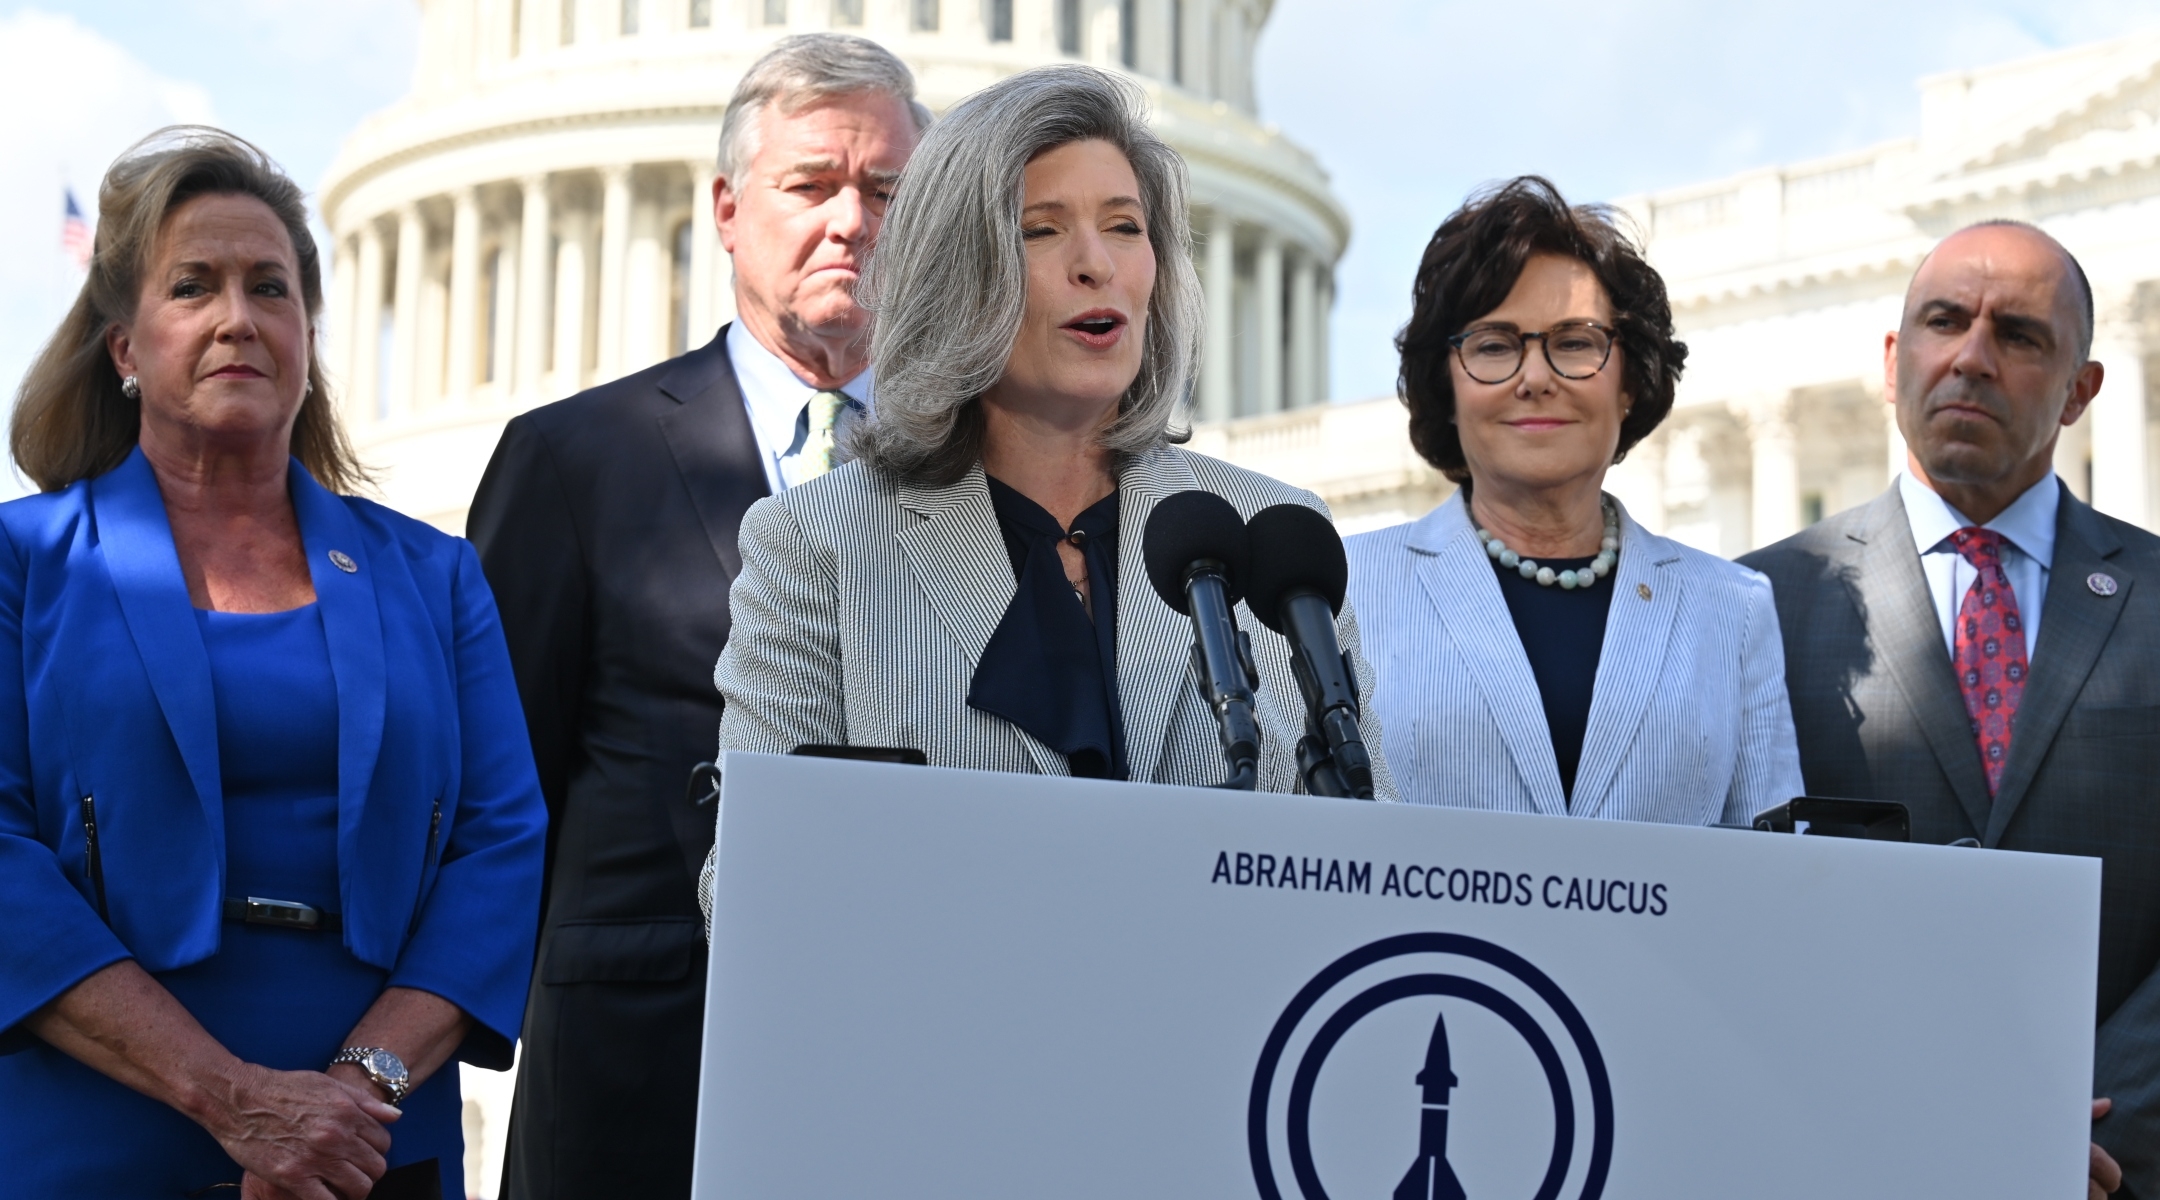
x: 816, y: 448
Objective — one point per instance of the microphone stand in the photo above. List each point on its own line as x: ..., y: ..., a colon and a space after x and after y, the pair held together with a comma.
x: 1223, y: 671
x: 1332, y: 758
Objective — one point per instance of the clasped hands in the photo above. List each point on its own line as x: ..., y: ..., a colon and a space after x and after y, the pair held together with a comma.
x: 305, y: 1135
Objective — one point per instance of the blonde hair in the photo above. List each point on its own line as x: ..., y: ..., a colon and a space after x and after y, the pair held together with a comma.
x: 72, y: 422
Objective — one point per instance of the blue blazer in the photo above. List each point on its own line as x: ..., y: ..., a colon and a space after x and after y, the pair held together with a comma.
x: 1689, y: 722
x: 105, y: 692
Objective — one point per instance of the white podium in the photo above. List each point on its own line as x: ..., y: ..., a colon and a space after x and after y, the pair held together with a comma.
x: 947, y: 984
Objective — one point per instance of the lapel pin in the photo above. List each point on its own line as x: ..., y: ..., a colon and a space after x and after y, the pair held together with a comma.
x: 1643, y: 590
x: 343, y: 562
x: 2101, y: 583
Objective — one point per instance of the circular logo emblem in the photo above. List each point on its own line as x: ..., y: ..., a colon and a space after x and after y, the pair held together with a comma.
x: 1521, y: 1076
x: 2101, y: 583
x: 343, y: 561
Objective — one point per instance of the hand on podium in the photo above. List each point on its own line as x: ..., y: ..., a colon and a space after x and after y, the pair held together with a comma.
x: 2106, y: 1176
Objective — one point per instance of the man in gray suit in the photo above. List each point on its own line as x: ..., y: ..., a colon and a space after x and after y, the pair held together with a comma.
x: 1984, y: 647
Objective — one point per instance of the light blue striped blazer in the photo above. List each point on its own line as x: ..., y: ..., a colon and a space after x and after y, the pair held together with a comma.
x: 1689, y: 722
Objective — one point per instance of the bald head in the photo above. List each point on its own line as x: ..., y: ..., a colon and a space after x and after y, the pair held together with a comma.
x: 1991, y: 359
x: 1986, y: 236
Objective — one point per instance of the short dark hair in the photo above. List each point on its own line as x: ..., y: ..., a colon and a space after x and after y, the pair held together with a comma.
x: 1472, y: 264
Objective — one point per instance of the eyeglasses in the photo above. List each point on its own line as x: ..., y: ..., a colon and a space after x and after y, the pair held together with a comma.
x: 1573, y: 349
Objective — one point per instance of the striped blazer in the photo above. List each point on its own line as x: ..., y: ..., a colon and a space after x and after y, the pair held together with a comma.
x: 865, y: 603
x: 1689, y: 722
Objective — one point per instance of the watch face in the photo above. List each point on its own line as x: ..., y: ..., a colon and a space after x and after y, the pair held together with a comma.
x: 385, y: 1066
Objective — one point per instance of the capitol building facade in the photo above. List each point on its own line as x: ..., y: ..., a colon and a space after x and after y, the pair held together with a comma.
x: 1784, y: 281
x: 534, y: 218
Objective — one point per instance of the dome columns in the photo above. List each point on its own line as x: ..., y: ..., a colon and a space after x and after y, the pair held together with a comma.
x: 614, y: 265
x: 1305, y: 386
x: 536, y: 217
x: 509, y: 293
x: 410, y: 271
x: 1268, y: 300
x: 464, y: 342
x: 534, y: 286
x: 362, y: 383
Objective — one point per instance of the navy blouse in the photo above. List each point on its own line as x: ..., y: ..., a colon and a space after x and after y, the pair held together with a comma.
x: 1563, y: 632
x: 1049, y: 669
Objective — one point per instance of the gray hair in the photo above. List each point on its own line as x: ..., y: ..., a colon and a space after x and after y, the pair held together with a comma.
x: 803, y: 69
x: 948, y: 280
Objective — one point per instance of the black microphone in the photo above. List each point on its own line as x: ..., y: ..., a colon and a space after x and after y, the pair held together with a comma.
x: 1197, y: 555
x: 1296, y: 586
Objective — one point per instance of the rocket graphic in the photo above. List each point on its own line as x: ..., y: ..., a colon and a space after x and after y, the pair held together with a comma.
x: 1430, y: 1177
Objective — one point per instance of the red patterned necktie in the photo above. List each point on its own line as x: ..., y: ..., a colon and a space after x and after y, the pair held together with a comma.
x: 1991, y: 661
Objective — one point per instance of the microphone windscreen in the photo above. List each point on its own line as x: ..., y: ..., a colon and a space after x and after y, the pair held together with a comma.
x: 1293, y: 548
x: 1185, y: 528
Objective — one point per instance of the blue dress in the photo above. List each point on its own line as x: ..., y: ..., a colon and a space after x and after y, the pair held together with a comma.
x: 277, y: 998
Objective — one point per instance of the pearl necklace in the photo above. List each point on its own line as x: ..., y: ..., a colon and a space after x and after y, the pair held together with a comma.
x: 1599, y: 568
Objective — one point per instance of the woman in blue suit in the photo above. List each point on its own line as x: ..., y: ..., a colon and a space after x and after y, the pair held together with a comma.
x: 1535, y: 649
x: 270, y: 834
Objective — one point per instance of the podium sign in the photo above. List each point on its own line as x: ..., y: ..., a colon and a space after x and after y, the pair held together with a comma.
x: 932, y: 983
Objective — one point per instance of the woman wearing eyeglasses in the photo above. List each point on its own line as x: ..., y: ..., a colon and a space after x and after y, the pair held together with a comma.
x: 1536, y: 650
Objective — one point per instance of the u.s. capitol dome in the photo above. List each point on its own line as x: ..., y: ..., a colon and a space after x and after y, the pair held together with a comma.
x: 529, y: 220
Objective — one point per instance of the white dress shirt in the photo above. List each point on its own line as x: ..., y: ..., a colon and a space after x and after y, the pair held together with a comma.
x: 775, y: 398
x: 2028, y: 531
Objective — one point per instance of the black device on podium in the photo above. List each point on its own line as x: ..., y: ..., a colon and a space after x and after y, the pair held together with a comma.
x: 1197, y: 554
x: 1296, y: 585
x: 1830, y: 816
x: 705, y: 777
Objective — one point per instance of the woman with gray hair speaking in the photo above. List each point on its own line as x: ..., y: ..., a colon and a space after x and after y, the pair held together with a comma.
x: 972, y: 585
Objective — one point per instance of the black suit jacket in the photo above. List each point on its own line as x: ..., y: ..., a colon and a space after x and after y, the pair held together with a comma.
x: 606, y: 524
x: 1879, y: 716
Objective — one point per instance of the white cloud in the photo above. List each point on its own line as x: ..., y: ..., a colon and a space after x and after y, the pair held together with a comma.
x: 76, y: 100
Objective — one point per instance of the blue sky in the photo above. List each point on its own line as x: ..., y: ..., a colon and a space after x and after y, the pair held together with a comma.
x: 1416, y: 105
x: 1408, y: 103
x: 85, y: 79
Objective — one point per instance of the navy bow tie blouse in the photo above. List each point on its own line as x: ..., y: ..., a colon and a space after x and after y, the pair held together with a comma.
x: 1048, y: 668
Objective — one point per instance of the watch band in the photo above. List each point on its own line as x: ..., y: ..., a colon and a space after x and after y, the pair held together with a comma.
x: 382, y: 1067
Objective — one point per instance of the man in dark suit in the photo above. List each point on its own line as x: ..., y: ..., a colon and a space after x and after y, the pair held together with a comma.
x: 606, y: 524
x: 1984, y: 647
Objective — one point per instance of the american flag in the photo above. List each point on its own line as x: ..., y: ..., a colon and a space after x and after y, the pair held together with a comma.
x: 75, y: 233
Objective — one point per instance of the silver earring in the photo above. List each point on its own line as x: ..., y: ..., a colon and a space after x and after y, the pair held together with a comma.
x: 131, y: 387
x: 307, y: 390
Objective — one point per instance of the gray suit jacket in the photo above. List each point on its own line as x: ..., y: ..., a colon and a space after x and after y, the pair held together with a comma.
x: 1879, y: 716
x: 864, y: 605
